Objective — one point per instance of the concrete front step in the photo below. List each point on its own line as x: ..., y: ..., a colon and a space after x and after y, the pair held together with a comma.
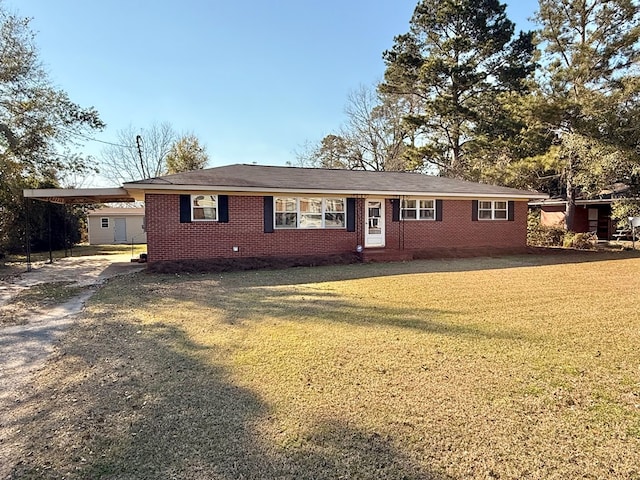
x: 386, y: 255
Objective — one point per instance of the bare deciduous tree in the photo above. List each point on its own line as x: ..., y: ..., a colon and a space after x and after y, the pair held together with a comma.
x: 374, y: 137
x: 138, y: 154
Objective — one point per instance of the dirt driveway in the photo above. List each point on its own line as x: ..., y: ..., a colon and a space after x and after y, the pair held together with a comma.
x: 29, y: 335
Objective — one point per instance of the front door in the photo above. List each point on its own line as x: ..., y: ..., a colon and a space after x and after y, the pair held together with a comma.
x: 120, y: 230
x: 374, y: 227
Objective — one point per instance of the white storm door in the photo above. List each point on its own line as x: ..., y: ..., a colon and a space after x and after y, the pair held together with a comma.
x: 374, y: 227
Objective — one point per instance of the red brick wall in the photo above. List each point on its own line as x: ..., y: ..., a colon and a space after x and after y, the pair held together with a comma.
x: 580, y: 218
x: 168, y: 239
x: 457, y: 230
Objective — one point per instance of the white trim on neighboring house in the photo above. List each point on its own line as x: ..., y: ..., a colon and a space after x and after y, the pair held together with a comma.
x: 558, y: 202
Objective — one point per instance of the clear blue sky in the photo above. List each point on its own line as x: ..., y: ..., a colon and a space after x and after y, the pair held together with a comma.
x: 252, y: 79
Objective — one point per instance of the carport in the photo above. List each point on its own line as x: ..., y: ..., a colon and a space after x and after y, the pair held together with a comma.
x: 69, y: 196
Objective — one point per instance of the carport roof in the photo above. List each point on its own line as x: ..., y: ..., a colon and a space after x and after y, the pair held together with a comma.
x: 79, y: 195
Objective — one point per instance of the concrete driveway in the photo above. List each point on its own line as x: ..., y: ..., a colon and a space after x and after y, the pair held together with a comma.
x: 25, y: 347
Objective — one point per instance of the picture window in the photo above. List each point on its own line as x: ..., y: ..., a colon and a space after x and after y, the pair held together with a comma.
x: 309, y: 212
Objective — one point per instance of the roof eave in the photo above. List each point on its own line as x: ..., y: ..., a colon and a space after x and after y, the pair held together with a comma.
x: 154, y: 188
x: 557, y: 202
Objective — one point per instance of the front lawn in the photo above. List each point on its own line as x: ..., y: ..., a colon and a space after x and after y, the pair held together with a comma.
x: 518, y: 367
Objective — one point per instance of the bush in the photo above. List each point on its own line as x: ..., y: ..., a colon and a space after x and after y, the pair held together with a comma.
x: 547, y: 236
x: 622, y: 209
x: 556, y: 236
x: 580, y: 241
x: 542, y: 236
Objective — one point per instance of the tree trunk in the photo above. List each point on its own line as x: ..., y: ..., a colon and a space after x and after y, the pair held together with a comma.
x: 570, y: 211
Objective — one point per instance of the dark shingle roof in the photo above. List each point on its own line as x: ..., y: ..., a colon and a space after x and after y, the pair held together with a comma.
x: 258, y: 178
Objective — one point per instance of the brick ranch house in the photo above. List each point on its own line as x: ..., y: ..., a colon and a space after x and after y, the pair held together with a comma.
x: 261, y: 211
x: 254, y: 211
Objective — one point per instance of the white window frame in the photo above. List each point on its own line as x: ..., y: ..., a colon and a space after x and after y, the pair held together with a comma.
x: 295, y: 212
x: 312, y: 213
x: 492, y: 209
x: 417, y: 208
x: 193, y: 207
x: 300, y: 214
x: 102, y: 225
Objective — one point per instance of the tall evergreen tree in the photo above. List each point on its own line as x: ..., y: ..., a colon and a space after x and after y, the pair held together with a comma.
x: 458, y: 57
x: 590, y: 53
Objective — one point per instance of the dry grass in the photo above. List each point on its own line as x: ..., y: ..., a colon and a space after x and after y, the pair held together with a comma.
x: 519, y: 367
x: 36, y: 299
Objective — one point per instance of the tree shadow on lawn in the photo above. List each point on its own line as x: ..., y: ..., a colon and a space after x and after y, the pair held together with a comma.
x: 121, y: 403
x: 292, y: 304
x: 298, y: 275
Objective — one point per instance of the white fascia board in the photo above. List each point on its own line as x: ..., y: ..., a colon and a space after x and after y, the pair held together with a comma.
x: 554, y: 203
x: 72, y: 192
x: 150, y: 188
x: 124, y: 213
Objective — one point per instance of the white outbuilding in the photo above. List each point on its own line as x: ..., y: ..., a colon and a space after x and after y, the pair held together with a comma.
x: 116, y: 225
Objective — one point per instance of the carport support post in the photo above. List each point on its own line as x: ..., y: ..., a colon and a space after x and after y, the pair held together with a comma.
x: 67, y: 224
x: 64, y: 229
x: 49, y: 222
x: 27, y: 234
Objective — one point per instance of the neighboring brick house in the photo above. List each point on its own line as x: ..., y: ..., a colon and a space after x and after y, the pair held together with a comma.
x: 590, y: 215
x: 252, y: 211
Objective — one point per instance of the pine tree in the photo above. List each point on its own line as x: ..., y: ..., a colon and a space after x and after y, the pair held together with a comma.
x: 590, y: 80
x: 458, y: 57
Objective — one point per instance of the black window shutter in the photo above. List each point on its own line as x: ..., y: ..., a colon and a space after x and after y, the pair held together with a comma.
x: 511, y: 207
x: 268, y: 214
x: 185, y: 208
x: 351, y: 214
x: 474, y: 210
x: 395, y: 209
x: 438, y: 210
x: 223, y: 208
